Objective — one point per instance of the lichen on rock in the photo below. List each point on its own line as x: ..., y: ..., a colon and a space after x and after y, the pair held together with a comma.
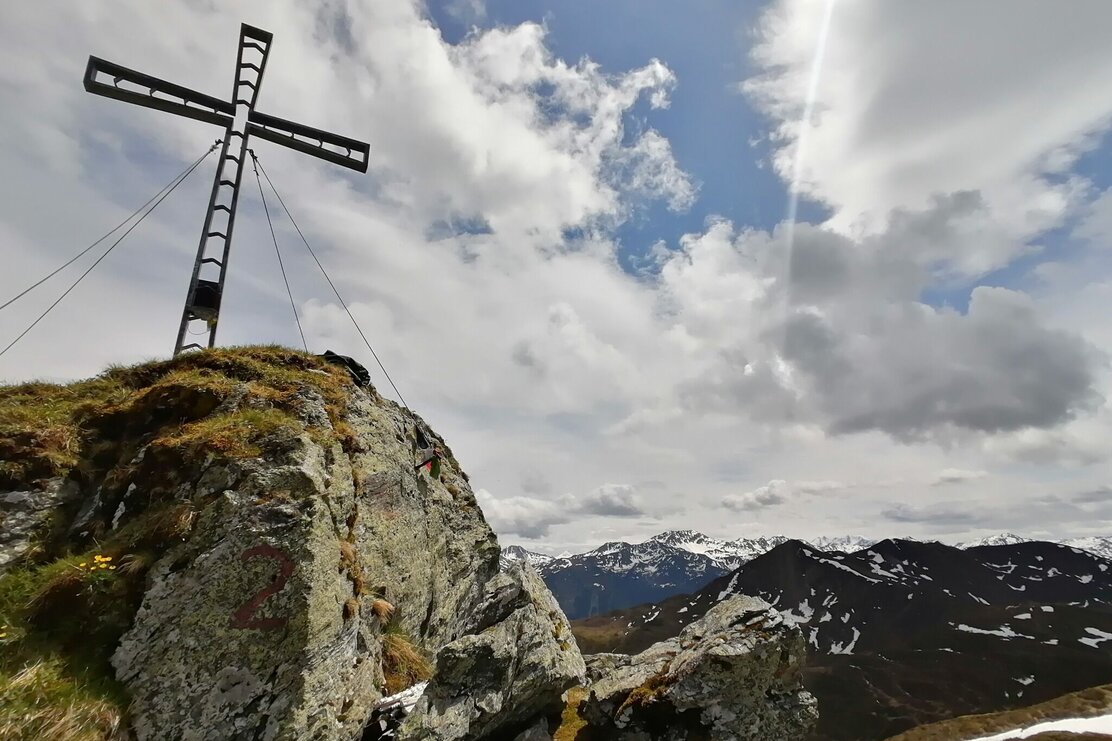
x: 511, y: 667
x: 733, y: 674
x: 272, y: 535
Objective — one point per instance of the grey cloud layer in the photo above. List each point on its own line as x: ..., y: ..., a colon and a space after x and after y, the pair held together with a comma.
x: 839, y: 336
x: 533, y: 517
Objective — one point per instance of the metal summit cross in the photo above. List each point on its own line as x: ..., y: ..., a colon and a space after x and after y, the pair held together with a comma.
x: 240, y: 121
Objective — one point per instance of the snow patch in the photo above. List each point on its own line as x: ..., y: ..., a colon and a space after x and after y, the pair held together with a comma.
x: 1100, y: 637
x: 729, y: 587
x: 838, y: 648
x: 1097, y: 724
x: 1004, y: 631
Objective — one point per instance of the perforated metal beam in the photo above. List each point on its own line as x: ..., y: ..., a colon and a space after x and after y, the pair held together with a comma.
x: 179, y: 100
x: 355, y: 154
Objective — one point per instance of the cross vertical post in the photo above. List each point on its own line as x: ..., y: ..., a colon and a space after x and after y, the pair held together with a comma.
x: 240, y: 120
x: 202, y: 301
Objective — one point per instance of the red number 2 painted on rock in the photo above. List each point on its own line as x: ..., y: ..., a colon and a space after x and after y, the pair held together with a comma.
x: 244, y: 616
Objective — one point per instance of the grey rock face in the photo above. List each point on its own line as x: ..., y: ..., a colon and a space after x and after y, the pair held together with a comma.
x: 24, y: 514
x: 733, y: 675
x: 513, y: 666
x: 247, y: 629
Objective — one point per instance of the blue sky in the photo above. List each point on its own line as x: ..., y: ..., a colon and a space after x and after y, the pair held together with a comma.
x: 709, y: 122
x: 899, y: 354
x: 716, y: 134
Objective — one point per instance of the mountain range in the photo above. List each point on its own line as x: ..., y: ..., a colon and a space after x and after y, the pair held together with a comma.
x: 906, y: 632
x: 618, y: 574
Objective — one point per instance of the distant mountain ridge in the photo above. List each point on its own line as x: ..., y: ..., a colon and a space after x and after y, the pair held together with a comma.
x: 1101, y: 546
x: 618, y: 574
x: 901, y: 632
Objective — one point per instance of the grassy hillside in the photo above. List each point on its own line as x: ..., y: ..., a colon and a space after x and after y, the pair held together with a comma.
x: 1084, y: 704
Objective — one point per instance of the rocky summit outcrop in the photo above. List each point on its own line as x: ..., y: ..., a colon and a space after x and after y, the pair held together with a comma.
x: 240, y: 544
x: 245, y: 544
x: 733, y: 675
x: 500, y: 675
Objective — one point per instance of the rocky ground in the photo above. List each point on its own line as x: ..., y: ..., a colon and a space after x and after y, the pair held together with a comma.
x: 237, y: 544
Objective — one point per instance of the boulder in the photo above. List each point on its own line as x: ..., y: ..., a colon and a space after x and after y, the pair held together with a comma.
x: 24, y: 515
x: 389, y: 712
x: 266, y: 619
x: 732, y: 675
x: 512, y: 667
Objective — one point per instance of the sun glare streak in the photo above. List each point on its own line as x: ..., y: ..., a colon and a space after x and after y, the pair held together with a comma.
x: 805, y: 120
x: 782, y: 366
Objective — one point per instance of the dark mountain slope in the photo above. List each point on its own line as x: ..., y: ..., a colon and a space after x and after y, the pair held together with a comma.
x: 619, y: 574
x: 906, y: 632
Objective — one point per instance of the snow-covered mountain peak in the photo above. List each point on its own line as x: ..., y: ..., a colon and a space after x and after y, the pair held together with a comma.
x: 842, y: 543
x: 517, y: 553
x: 997, y: 539
x: 727, y: 554
x: 1102, y: 546
x: 689, y: 540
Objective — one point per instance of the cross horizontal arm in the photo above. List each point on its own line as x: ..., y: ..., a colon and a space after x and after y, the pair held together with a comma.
x: 181, y: 100
x: 339, y: 150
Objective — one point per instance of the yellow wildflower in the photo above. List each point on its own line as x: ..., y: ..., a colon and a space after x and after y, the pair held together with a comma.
x: 106, y: 559
x: 111, y: 568
x: 3, y: 635
x: 82, y: 564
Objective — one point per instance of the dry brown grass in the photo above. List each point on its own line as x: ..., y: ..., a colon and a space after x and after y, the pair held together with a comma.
x: 40, y: 702
x: 382, y: 610
x: 136, y: 564
x: 349, y: 564
x: 358, y: 583
x: 348, y: 555
x: 403, y: 664
x: 351, y: 608
x: 1083, y: 704
x: 172, y: 523
x: 573, y: 727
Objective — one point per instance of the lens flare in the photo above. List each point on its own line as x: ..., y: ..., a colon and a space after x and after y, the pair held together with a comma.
x: 805, y: 120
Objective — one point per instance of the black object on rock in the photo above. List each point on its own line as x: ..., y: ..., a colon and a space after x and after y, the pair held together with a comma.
x: 358, y: 373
